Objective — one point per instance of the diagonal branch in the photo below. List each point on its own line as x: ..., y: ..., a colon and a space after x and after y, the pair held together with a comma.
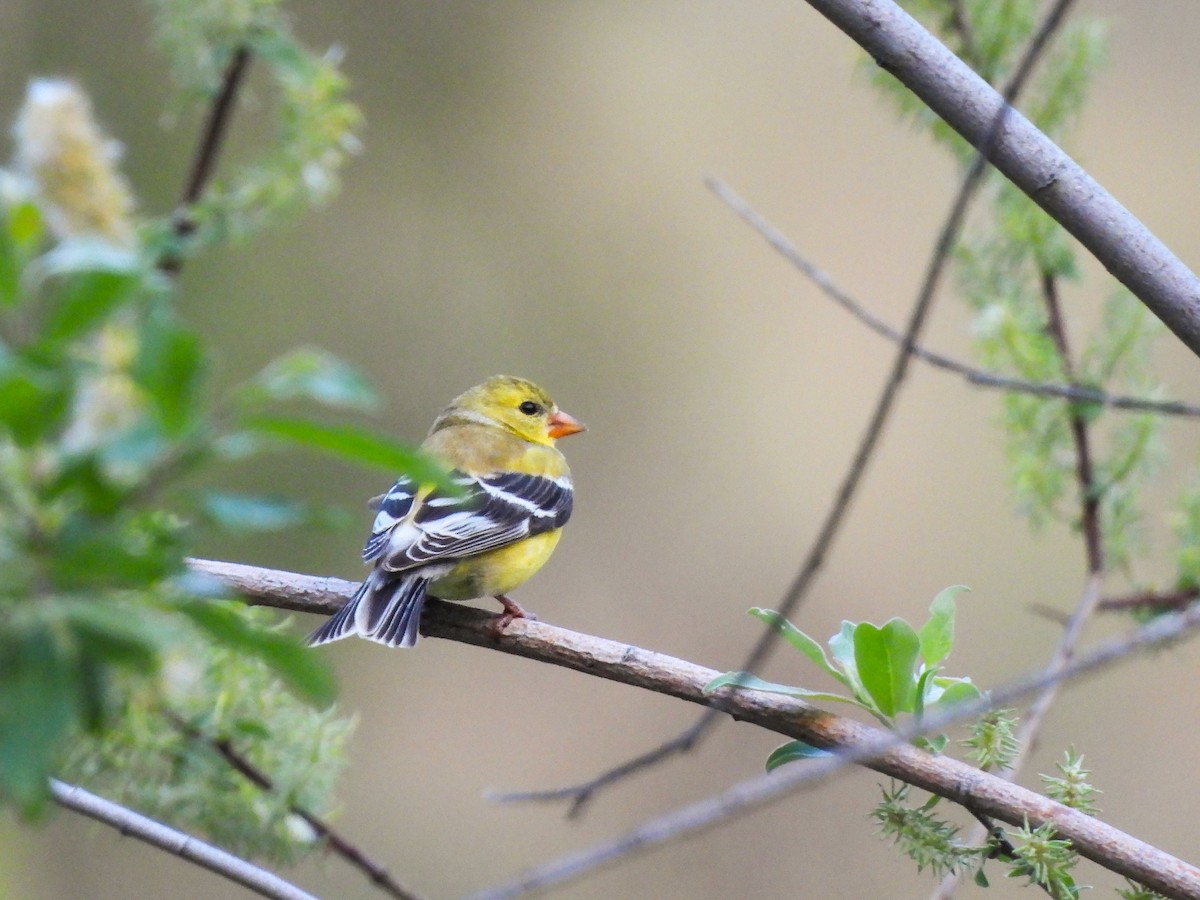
x: 973, y: 375
x: 204, y: 162
x: 1033, y: 162
x: 184, y: 846
x: 377, y: 874
x: 876, y: 749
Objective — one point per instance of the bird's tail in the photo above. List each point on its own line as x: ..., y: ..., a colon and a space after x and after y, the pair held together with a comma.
x: 387, y: 610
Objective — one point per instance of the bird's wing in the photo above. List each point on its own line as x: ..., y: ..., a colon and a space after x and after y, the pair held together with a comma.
x: 416, y: 526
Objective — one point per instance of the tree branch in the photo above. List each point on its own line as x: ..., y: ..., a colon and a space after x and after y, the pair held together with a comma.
x: 973, y: 375
x: 1155, y: 601
x: 184, y: 846
x: 753, y: 794
x: 873, y: 748
x: 1089, y: 493
x: 212, y: 135
x: 223, y: 747
x: 1027, y: 157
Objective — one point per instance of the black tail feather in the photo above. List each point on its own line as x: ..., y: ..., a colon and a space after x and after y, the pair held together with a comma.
x: 386, y: 610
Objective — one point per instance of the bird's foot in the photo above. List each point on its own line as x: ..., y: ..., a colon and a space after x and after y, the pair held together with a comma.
x: 512, y: 610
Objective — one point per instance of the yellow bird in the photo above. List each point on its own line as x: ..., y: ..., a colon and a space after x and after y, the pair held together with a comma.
x: 516, y: 495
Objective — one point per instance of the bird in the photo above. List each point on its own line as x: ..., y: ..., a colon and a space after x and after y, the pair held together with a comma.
x: 514, y: 495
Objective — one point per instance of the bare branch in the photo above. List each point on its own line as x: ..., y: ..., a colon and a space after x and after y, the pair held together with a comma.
x: 1089, y: 493
x: 377, y: 874
x: 1151, y: 601
x: 175, y: 842
x: 212, y: 135
x: 1027, y: 157
x: 852, y: 741
x: 973, y: 375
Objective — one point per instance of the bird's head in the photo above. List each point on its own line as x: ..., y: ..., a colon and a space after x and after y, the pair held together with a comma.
x: 514, y: 404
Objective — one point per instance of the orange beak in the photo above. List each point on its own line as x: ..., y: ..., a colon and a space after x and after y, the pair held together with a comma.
x: 562, y: 424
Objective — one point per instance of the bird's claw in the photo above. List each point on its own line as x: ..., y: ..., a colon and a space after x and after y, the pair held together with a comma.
x: 512, y: 610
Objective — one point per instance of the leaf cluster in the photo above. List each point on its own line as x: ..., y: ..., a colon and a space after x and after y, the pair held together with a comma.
x: 889, y: 670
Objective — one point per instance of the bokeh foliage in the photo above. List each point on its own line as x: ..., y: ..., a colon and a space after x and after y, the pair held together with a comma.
x: 119, y: 667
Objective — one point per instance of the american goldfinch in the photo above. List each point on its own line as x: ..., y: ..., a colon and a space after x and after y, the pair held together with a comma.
x: 498, y: 438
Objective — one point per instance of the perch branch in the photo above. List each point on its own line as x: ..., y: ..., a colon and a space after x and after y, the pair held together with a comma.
x: 873, y: 748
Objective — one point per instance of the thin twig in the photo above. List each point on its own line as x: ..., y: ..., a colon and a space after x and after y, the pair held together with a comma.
x: 961, y: 23
x: 1089, y: 491
x: 972, y: 374
x: 377, y: 874
x: 814, y: 559
x: 135, y: 825
x: 885, y: 752
x: 1150, y: 601
x: 204, y: 162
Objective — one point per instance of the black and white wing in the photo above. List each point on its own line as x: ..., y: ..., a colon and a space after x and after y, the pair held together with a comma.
x: 420, y: 533
x: 415, y: 527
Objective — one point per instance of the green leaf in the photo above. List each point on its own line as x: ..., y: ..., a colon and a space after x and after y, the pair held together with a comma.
x: 33, y: 398
x: 791, y: 752
x: 924, y: 686
x: 109, y: 632
x: 801, y: 641
x: 981, y: 879
x: 169, y: 366
x: 886, y: 657
x: 251, y: 729
x: 954, y: 691
x: 21, y: 231
x: 934, y: 744
x: 747, y: 682
x: 26, y: 226
x: 84, y: 299
x: 10, y: 262
x: 38, y: 705
x: 130, y: 552
x: 841, y: 645
x: 937, y: 634
x: 310, y: 373
x: 250, y: 513
x: 357, y: 445
x: 299, y: 667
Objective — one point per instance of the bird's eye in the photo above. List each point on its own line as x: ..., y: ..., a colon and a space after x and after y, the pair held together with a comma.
x: 529, y: 408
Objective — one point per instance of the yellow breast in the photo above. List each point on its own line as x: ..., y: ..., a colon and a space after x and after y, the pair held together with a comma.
x: 497, y: 571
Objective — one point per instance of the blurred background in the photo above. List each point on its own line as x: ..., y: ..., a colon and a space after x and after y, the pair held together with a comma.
x: 531, y: 201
